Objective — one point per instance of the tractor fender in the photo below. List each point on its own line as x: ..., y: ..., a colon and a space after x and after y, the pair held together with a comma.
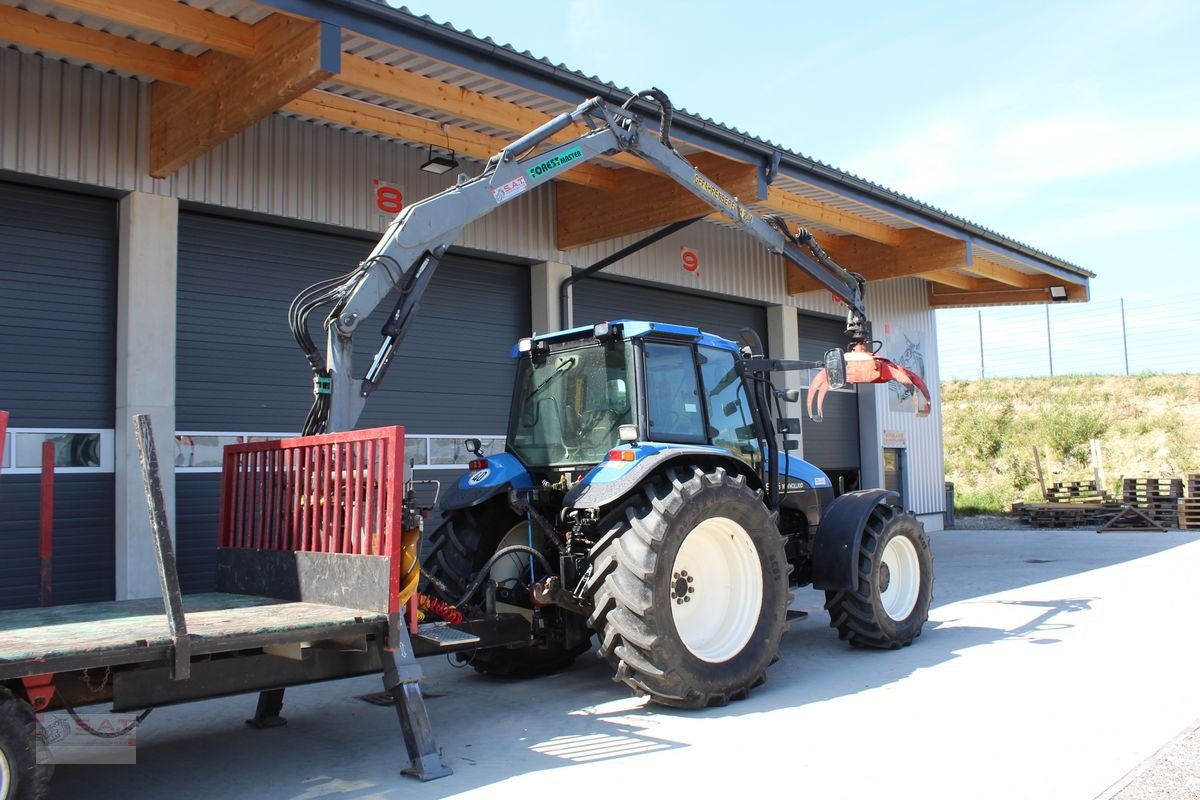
x: 839, y: 536
x: 612, y: 481
x: 502, y: 473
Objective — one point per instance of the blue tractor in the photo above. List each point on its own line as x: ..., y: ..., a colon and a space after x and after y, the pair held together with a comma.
x: 647, y: 494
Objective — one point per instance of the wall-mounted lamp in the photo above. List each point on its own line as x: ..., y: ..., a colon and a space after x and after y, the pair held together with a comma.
x: 439, y: 164
x: 1058, y: 293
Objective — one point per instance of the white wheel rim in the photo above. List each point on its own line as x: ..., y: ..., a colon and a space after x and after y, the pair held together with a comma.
x: 899, y: 578
x: 716, y: 590
x: 5, y: 776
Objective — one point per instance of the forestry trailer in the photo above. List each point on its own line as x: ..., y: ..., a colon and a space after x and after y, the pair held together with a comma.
x: 646, y: 493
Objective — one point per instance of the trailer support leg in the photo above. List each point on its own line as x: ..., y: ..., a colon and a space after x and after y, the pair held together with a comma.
x: 266, y: 714
x: 401, y: 675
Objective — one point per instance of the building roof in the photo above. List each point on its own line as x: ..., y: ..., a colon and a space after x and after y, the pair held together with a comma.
x: 372, y: 68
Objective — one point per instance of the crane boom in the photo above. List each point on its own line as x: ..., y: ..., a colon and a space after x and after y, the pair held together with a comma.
x: 417, y: 239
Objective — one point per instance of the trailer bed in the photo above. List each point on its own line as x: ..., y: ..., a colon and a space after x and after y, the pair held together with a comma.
x: 40, y: 640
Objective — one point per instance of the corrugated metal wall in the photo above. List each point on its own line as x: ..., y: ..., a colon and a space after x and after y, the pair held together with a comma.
x: 900, y: 309
x: 75, y: 124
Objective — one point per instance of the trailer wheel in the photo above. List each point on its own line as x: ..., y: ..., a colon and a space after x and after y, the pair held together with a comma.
x: 21, y: 777
x: 456, y: 551
x: 890, y: 605
x: 695, y: 600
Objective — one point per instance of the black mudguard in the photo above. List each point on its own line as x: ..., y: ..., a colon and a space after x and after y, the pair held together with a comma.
x: 839, y: 537
x: 455, y: 498
x: 600, y: 495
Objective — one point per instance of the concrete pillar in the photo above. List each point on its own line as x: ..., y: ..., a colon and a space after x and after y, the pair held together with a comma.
x: 545, y: 284
x: 783, y: 341
x: 871, y: 399
x: 146, y: 264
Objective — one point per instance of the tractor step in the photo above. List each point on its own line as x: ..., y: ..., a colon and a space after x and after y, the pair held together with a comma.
x: 442, y: 635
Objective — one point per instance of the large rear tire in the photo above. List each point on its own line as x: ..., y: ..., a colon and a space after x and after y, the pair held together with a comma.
x: 21, y: 777
x: 890, y: 604
x: 456, y: 551
x: 694, y: 593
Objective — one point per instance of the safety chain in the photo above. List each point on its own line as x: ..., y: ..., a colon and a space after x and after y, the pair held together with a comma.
x: 86, y: 728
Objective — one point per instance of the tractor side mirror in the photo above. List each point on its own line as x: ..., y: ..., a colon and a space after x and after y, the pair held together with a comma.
x: 835, y: 368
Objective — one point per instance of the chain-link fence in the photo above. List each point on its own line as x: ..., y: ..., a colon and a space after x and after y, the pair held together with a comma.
x: 1114, y: 337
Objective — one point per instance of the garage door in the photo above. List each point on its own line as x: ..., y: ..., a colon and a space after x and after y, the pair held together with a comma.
x: 58, y: 276
x: 832, y: 443
x: 601, y: 299
x: 240, y: 372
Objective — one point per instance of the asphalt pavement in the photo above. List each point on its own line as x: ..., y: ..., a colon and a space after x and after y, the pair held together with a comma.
x: 1056, y: 664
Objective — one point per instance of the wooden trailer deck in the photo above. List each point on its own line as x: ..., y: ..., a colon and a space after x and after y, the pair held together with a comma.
x: 39, y: 640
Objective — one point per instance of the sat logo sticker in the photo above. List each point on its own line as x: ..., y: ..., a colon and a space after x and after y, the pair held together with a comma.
x: 478, y: 477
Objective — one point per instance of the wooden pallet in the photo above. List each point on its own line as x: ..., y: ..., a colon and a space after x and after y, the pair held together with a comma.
x: 1076, y: 492
x: 1158, y: 498
x: 1131, y: 519
x: 1064, y: 515
x: 1193, y: 486
x: 1189, y: 513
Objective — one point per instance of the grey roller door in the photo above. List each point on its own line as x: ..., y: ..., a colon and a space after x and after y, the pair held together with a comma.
x: 239, y: 368
x: 601, y: 299
x: 831, y: 444
x: 58, y: 276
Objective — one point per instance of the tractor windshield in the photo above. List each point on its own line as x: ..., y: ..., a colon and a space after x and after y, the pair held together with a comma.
x: 568, y: 408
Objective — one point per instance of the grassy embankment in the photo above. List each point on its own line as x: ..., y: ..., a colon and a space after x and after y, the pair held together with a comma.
x: 1148, y: 426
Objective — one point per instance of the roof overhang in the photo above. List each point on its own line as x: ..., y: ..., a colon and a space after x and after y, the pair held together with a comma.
x: 218, y: 66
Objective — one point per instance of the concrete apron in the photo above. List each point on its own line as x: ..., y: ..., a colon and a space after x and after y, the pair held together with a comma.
x: 1053, y: 664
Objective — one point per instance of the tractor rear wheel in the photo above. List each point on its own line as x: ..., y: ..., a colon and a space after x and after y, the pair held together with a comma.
x: 455, y: 553
x: 890, y: 604
x: 694, y: 596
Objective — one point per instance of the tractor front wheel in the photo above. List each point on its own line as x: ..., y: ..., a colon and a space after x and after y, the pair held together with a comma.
x: 890, y: 603
x: 694, y: 600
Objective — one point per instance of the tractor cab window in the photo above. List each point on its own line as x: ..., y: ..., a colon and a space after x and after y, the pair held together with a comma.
x: 568, y: 409
x: 731, y: 425
x: 672, y: 394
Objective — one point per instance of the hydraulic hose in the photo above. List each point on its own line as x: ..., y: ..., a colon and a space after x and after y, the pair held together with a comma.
x: 487, y: 568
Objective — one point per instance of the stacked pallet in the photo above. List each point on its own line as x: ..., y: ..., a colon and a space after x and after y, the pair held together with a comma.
x: 1071, y: 504
x: 1189, y: 506
x: 1157, y: 498
x: 1076, y: 492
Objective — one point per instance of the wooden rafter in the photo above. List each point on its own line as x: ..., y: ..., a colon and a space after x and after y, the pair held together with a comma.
x: 1001, y: 295
x: 291, y: 57
x: 388, y: 122
x: 917, y: 252
x: 779, y: 200
x: 171, y: 18
x: 948, y: 277
x: 1002, y: 274
x: 75, y: 41
x: 641, y: 202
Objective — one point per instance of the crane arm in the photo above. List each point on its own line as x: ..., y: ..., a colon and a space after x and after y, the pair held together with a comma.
x: 407, y: 255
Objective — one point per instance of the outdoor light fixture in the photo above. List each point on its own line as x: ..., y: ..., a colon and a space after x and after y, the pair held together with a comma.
x: 439, y: 164
x: 1058, y: 293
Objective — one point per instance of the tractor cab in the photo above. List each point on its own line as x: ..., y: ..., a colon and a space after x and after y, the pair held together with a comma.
x: 581, y: 393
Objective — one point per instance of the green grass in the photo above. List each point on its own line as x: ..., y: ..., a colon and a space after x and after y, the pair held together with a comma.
x: 1147, y: 426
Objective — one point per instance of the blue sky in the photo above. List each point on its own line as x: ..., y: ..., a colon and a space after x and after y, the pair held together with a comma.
x: 1071, y: 126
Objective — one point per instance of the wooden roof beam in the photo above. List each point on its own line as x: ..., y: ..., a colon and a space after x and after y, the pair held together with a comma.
x: 174, y: 19
x: 641, y: 202
x: 945, y: 297
x: 918, y: 252
x: 1006, y: 275
x: 388, y: 122
x: 779, y: 200
x: 97, y: 47
x: 291, y: 57
x: 949, y: 277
